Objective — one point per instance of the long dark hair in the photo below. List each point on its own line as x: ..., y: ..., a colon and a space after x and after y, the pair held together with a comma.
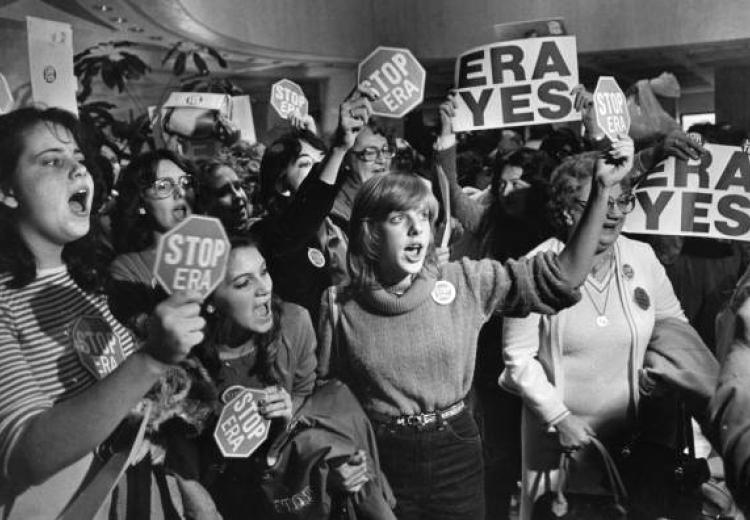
x: 220, y: 329
x: 278, y: 156
x: 504, y: 235
x: 86, y: 258
x: 132, y: 231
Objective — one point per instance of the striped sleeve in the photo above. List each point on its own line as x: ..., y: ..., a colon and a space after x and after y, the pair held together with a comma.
x: 20, y: 395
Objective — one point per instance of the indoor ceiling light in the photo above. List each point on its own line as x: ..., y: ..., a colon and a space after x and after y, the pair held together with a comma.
x: 135, y: 29
x: 102, y: 7
x: 118, y: 19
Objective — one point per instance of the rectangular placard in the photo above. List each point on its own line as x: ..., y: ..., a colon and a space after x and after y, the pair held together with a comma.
x: 708, y: 197
x: 516, y: 83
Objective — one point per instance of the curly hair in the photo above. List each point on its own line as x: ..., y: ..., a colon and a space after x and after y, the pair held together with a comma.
x: 132, y: 231
x: 220, y: 329
x: 378, y: 197
x: 86, y: 257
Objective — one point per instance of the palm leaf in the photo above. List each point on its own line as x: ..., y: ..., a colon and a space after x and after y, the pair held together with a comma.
x: 179, y: 64
x: 171, y: 52
x: 200, y: 63
x: 219, y: 59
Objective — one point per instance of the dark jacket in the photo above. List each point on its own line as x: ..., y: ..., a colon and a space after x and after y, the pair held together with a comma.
x: 328, y: 428
x: 730, y: 414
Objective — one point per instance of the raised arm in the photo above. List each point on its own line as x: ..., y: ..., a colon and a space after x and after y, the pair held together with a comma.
x: 577, y: 257
x: 468, y: 211
x: 302, y: 218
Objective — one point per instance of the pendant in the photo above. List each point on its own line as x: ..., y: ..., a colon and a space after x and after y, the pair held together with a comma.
x: 602, y: 321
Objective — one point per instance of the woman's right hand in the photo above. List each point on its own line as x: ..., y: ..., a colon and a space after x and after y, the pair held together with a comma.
x: 574, y: 433
x: 352, y: 475
x: 354, y: 113
x: 447, y: 113
x: 175, y: 327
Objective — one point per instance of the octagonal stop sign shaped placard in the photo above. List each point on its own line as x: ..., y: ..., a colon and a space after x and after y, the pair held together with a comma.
x: 395, y: 77
x: 241, y: 429
x: 192, y: 255
x: 287, y: 98
x: 611, y: 108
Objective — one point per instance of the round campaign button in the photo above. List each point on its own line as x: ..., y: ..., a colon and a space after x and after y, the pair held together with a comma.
x: 316, y: 257
x: 444, y: 292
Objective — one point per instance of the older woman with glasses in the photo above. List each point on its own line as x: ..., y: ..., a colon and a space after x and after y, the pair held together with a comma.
x: 577, y: 371
x: 156, y: 192
x: 370, y: 156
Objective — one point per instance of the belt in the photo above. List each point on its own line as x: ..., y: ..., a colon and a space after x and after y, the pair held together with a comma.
x: 422, y: 420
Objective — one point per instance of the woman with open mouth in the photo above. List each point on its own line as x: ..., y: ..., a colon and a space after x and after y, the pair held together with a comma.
x: 403, y: 332
x: 69, y: 372
x: 156, y: 192
x: 256, y: 340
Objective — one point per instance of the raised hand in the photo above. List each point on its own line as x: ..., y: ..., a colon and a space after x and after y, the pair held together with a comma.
x: 175, y: 327
x: 583, y: 101
x: 447, y: 113
x: 354, y: 113
x: 303, y: 123
x: 682, y: 146
x: 613, y: 165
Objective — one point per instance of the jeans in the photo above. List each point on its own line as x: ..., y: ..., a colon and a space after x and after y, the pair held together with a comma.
x: 437, y: 473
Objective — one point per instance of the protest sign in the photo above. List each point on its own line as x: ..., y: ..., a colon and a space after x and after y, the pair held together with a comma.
x: 192, y: 256
x: 6, y: 96
x: 395, y: 78
x: 709, y: 197
x: 51, y: 63
x: 287, y: 98
x: 518, y: 82
x: 241, y: 429
x: 611, y: 108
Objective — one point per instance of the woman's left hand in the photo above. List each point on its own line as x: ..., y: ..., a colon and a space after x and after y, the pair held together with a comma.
x: 616, y: 163
x: 277, y: 404
x: 352, y: 475
x: 307, y: 122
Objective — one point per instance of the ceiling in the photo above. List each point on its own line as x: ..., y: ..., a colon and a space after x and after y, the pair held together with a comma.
x: 157, y: 25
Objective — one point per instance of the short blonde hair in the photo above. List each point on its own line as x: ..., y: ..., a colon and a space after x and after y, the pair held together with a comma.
x: 376, y: 199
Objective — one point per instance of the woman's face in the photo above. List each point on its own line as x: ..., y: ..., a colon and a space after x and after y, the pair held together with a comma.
x: 52, y: 190
x: 169, y: 211
x: 300, y: 167
x: 227, y: 199
x: 614, y: 220
x: 512, y: 190
x: 375, y: 142
x: 406, y: 237
x: 245, y: 294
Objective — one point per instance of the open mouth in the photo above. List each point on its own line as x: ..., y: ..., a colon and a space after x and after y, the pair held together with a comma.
x: 180, y: 212
x: 413, y: 252
x: 78, y: 202
x: 263, y: 310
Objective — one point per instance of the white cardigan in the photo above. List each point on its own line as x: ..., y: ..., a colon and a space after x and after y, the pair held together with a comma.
x: 532, y: 346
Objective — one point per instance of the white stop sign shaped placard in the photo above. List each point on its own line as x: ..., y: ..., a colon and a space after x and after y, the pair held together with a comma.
x: 192, y: 256
x: 288, y: 98
x: 395, y: 77
x: 611, y: 108
x: 241, y: 429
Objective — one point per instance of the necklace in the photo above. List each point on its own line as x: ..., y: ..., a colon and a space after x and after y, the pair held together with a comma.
x: 601, y: 318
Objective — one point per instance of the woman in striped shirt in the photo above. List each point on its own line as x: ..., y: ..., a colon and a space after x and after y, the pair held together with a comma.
x: 68, y: 370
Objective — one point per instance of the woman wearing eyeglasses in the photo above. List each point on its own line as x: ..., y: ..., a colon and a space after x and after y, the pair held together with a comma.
x: 156, y: 192
x: 577, y: 371
x: 370, y: 156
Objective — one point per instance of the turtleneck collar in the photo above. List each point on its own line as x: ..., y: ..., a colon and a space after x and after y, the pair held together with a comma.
x: 384, y: 302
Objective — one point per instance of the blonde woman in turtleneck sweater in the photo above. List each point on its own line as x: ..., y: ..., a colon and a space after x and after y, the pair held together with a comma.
x: 577, y: 371
x: 403, y: 333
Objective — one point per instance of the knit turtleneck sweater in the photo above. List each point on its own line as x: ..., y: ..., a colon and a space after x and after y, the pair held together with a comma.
x: 414, y: 353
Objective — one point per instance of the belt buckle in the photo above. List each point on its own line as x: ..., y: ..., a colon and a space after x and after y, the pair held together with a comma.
x: 416, y: 421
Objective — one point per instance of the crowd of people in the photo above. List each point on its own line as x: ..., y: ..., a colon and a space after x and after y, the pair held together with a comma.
x: 541, y: 354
